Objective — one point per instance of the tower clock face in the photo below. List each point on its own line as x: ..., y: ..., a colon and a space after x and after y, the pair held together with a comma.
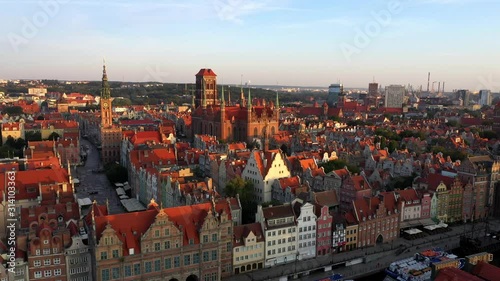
x: 105, y: 105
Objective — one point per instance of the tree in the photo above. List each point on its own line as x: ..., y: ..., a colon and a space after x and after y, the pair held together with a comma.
x: 116, y: 173
x: 244, y: 189
x: 53, y: 136
x: 122, y: 102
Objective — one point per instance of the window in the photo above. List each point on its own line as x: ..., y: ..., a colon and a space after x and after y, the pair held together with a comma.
x: 168, y: 263
x: 46, y: 262
x: 128, y: 271
x: 196, y: 258
x: 116, y: 272
x: 105, y: 274
x: 38, y: 274
x: 177, y: 261
x: 167, y: 231
x: 148, y: 267
x: 157, y: 233
x: 57, y: 261
x: 37, y: 263
x: 157, y: 247
x: 46, y: 251
x: 157, y: 265
x: 229, y: 247
x: 37, y: 253
x: 137, y: 269
x: 214, y: 237
x: 187, y: 260
x: 47, y: 273
x: 167, y: 245
x: 214, y: 255
x: 115, y: 253
x: 205, y: 256
x: 104, y: 255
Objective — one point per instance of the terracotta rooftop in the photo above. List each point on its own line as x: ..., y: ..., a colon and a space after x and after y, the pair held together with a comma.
x: 241, y: 232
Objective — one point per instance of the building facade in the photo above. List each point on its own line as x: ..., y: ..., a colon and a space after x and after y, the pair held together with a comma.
x: 306, y: 224
x: 324, y: 230
x: 246, y: 121
x: 394, y: 96
x: 248, y: 248
x: 280, y: 231
x: 110, y: 137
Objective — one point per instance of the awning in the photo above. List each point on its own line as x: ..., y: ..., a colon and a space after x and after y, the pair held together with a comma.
x: 416, y: 223
x: 413, y: 231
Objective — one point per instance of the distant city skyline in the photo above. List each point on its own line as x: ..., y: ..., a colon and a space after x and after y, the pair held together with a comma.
x: 286, y: 42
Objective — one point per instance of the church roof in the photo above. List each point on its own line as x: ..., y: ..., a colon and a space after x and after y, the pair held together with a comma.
x: 206, y: 72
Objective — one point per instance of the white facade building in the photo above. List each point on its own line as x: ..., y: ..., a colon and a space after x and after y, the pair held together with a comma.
x: 263, y: 168
x: 280, y: 231
x: 306, y: 224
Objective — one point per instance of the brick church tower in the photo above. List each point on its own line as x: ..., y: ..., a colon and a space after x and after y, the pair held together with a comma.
x: 110, y: 134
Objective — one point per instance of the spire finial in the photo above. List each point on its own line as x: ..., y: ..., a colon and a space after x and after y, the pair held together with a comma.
x: 222, y: 101
x: 277, y: 105
x: 249, y: 102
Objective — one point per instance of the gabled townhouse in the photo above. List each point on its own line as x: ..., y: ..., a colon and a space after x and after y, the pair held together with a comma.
x: 263, y: 169
x: 334, y: 179
x: 426, y: 206
x: 378, y: 219
x: 285, y: 190
x: 280, y: 231
x: 351, y: 231
x: 249, y: 248
x: 323, y: 229
x: 353, y: 188
x: 315, y: 178
x: 410, y: 208
x: 157, y: 243
x: 306, y: 225
x: 78, y: 254
x: 339, y: 238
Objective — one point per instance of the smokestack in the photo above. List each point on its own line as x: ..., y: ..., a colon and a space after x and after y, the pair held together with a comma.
x: 443, y: 86
x: 439, y: 87
x: 428, y: 82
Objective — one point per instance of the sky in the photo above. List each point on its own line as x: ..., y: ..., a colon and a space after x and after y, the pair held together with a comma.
x: 263, y: 42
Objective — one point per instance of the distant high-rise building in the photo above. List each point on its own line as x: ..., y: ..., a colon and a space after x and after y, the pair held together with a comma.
x: 485, y: 97
x: 335, y: 91
x: 373, y: 89
x: 465, y: 96
x: 394, y: 96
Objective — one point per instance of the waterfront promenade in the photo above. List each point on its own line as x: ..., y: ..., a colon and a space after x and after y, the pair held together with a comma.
x: 374, y: 258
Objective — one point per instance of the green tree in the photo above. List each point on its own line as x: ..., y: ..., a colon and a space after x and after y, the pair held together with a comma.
x: 122, y: 102
x: 116, y: 173
x: 244, y: 189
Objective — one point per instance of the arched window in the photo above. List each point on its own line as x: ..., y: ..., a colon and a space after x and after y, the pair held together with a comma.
x: 255, y: 132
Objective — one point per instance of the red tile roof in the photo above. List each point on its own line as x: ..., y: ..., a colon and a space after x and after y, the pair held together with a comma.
x: 241, y: 232
x: 206, y: 72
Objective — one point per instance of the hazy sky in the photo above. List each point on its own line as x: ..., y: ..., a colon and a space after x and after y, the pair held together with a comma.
x: 306, y: 43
